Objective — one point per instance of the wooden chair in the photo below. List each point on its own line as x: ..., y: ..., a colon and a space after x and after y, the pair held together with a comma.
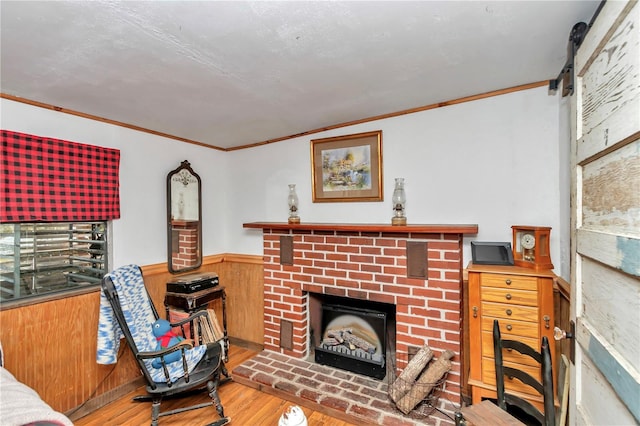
x: 127, y: 310
x: 544, y: 388
x: 485, y: 413
x: 563, y: 391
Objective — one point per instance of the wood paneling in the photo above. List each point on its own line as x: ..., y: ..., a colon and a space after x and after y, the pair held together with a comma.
x: 51, y: 346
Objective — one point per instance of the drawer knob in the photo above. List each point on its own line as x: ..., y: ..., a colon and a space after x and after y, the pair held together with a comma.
x: 508, y: 296
x: 509, y: 312
x: 509, y: 327
x: 475, y: 312
x: 508, y: 282
x: 546, y: 321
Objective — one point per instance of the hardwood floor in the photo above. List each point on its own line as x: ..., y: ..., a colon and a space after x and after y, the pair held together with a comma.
x: 244, y: 405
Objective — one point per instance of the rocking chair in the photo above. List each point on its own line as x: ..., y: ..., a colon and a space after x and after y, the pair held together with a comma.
x: 127, y: 310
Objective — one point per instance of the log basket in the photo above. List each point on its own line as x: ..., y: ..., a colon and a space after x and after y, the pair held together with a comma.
x: 424, y: 406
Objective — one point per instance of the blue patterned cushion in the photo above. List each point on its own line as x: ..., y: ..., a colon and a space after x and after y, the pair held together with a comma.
x: 136, y: 307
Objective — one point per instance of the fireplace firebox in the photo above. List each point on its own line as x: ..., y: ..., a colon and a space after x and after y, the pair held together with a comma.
x: 353, y: 339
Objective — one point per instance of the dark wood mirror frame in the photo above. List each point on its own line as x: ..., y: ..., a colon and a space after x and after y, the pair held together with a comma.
x: 184, y: 219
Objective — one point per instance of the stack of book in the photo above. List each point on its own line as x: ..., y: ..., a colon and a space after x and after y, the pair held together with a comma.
x: 209, y: 328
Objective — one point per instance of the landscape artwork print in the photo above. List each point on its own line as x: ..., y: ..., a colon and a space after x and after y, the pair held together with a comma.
x: 347, y: 168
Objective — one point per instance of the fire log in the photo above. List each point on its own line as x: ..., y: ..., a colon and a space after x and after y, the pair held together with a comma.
x: 404, y: 382
x: 426, y: 382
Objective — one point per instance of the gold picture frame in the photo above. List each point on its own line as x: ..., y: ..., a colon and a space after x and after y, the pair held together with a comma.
x: 347, y: 168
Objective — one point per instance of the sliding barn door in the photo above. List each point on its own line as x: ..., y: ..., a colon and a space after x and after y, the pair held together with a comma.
x: 606, y: 220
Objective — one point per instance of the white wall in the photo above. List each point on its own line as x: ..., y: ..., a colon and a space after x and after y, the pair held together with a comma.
x: 494, y: 162
x: 140, y: 235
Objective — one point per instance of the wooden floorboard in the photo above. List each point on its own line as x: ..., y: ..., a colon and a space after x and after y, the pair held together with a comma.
x: 245, y: 406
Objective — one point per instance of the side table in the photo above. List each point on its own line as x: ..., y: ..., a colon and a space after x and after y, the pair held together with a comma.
x: 192, y: 302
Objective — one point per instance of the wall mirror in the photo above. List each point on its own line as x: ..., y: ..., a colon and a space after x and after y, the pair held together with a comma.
x: 184, y: 217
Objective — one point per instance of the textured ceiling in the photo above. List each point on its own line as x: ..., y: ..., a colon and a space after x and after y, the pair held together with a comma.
x: 235, y: 73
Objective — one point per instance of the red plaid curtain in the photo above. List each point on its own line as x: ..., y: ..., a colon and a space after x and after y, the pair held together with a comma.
x: 51, y: 180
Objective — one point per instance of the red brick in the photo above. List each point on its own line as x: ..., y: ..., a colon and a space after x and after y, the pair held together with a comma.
x: 302, y: 278
x: 313, y: 239
x: 411, y: 300
x: 452, y: 316
x: 396, y: 289
x: 382, y: 260
x: 450, y: 306
x: 282, y: 275
x: 361, y: 259
x: 265, y: 379
x: 309, y: 394
x: 243, y: 371
x: 312, y: 288
x: 303, y: 246
x: 282, y: 290
x: 427, y: 313
x: 324, y: 247
x: 452, y: 255
x: 287, y: 387
x: 357, y: 294
x: 347, y: 284
x: 370, y: 286
x: 365, y: 412
x: 313, y: 271
x: 335, y: 291
x: 272, y: 297
x: 337, y: 257
x: 444, y: 245
x: 389, y: 279
x: 445, y: 285
x: 409, y: 319
x: 324, y: 280
x: 336, y: 240
x: 413, y: 282
x: 452, y: 275
x: 360, y: 276
x: 394, y: 252
x: 376, y: 251
x: 348, y: 249
x: 336, y: 273
x: 383, y: 298
x: 386, y: 242
x: 347, y: 266
x: 427, y: 292
x: 455, y: 347
x: 394, y: 271
x: 443, y: 264
x: 334, y: 403
x: 324, y: 264
x: 402, y: 328
x: 300, y: 261
x: 313, y: 255
x: 442, y: 325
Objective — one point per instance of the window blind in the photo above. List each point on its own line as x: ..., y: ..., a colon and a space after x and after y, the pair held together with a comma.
x: 53, y: 180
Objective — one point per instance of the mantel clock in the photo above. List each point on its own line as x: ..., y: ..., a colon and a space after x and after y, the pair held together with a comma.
x: 531, y: 247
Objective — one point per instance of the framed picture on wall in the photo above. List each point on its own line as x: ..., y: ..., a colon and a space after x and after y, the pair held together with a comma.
x: 347, y: 168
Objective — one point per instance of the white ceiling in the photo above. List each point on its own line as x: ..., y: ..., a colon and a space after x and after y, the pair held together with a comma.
x: 229, y: 74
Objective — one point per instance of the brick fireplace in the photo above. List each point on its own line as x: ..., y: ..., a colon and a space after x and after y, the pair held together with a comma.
x: 416, y: 268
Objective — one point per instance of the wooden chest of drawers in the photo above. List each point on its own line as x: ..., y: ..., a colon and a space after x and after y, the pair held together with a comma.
x: 521, y: 299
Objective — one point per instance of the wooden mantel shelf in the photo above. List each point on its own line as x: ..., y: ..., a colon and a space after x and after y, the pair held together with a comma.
x: 368, y: 227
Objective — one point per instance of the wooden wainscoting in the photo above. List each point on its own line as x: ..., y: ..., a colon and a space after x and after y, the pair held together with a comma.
x: 562, y: 308
x: 51, y: 346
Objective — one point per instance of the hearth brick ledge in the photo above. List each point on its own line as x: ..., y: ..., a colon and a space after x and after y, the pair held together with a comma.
x: 347, y: 396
